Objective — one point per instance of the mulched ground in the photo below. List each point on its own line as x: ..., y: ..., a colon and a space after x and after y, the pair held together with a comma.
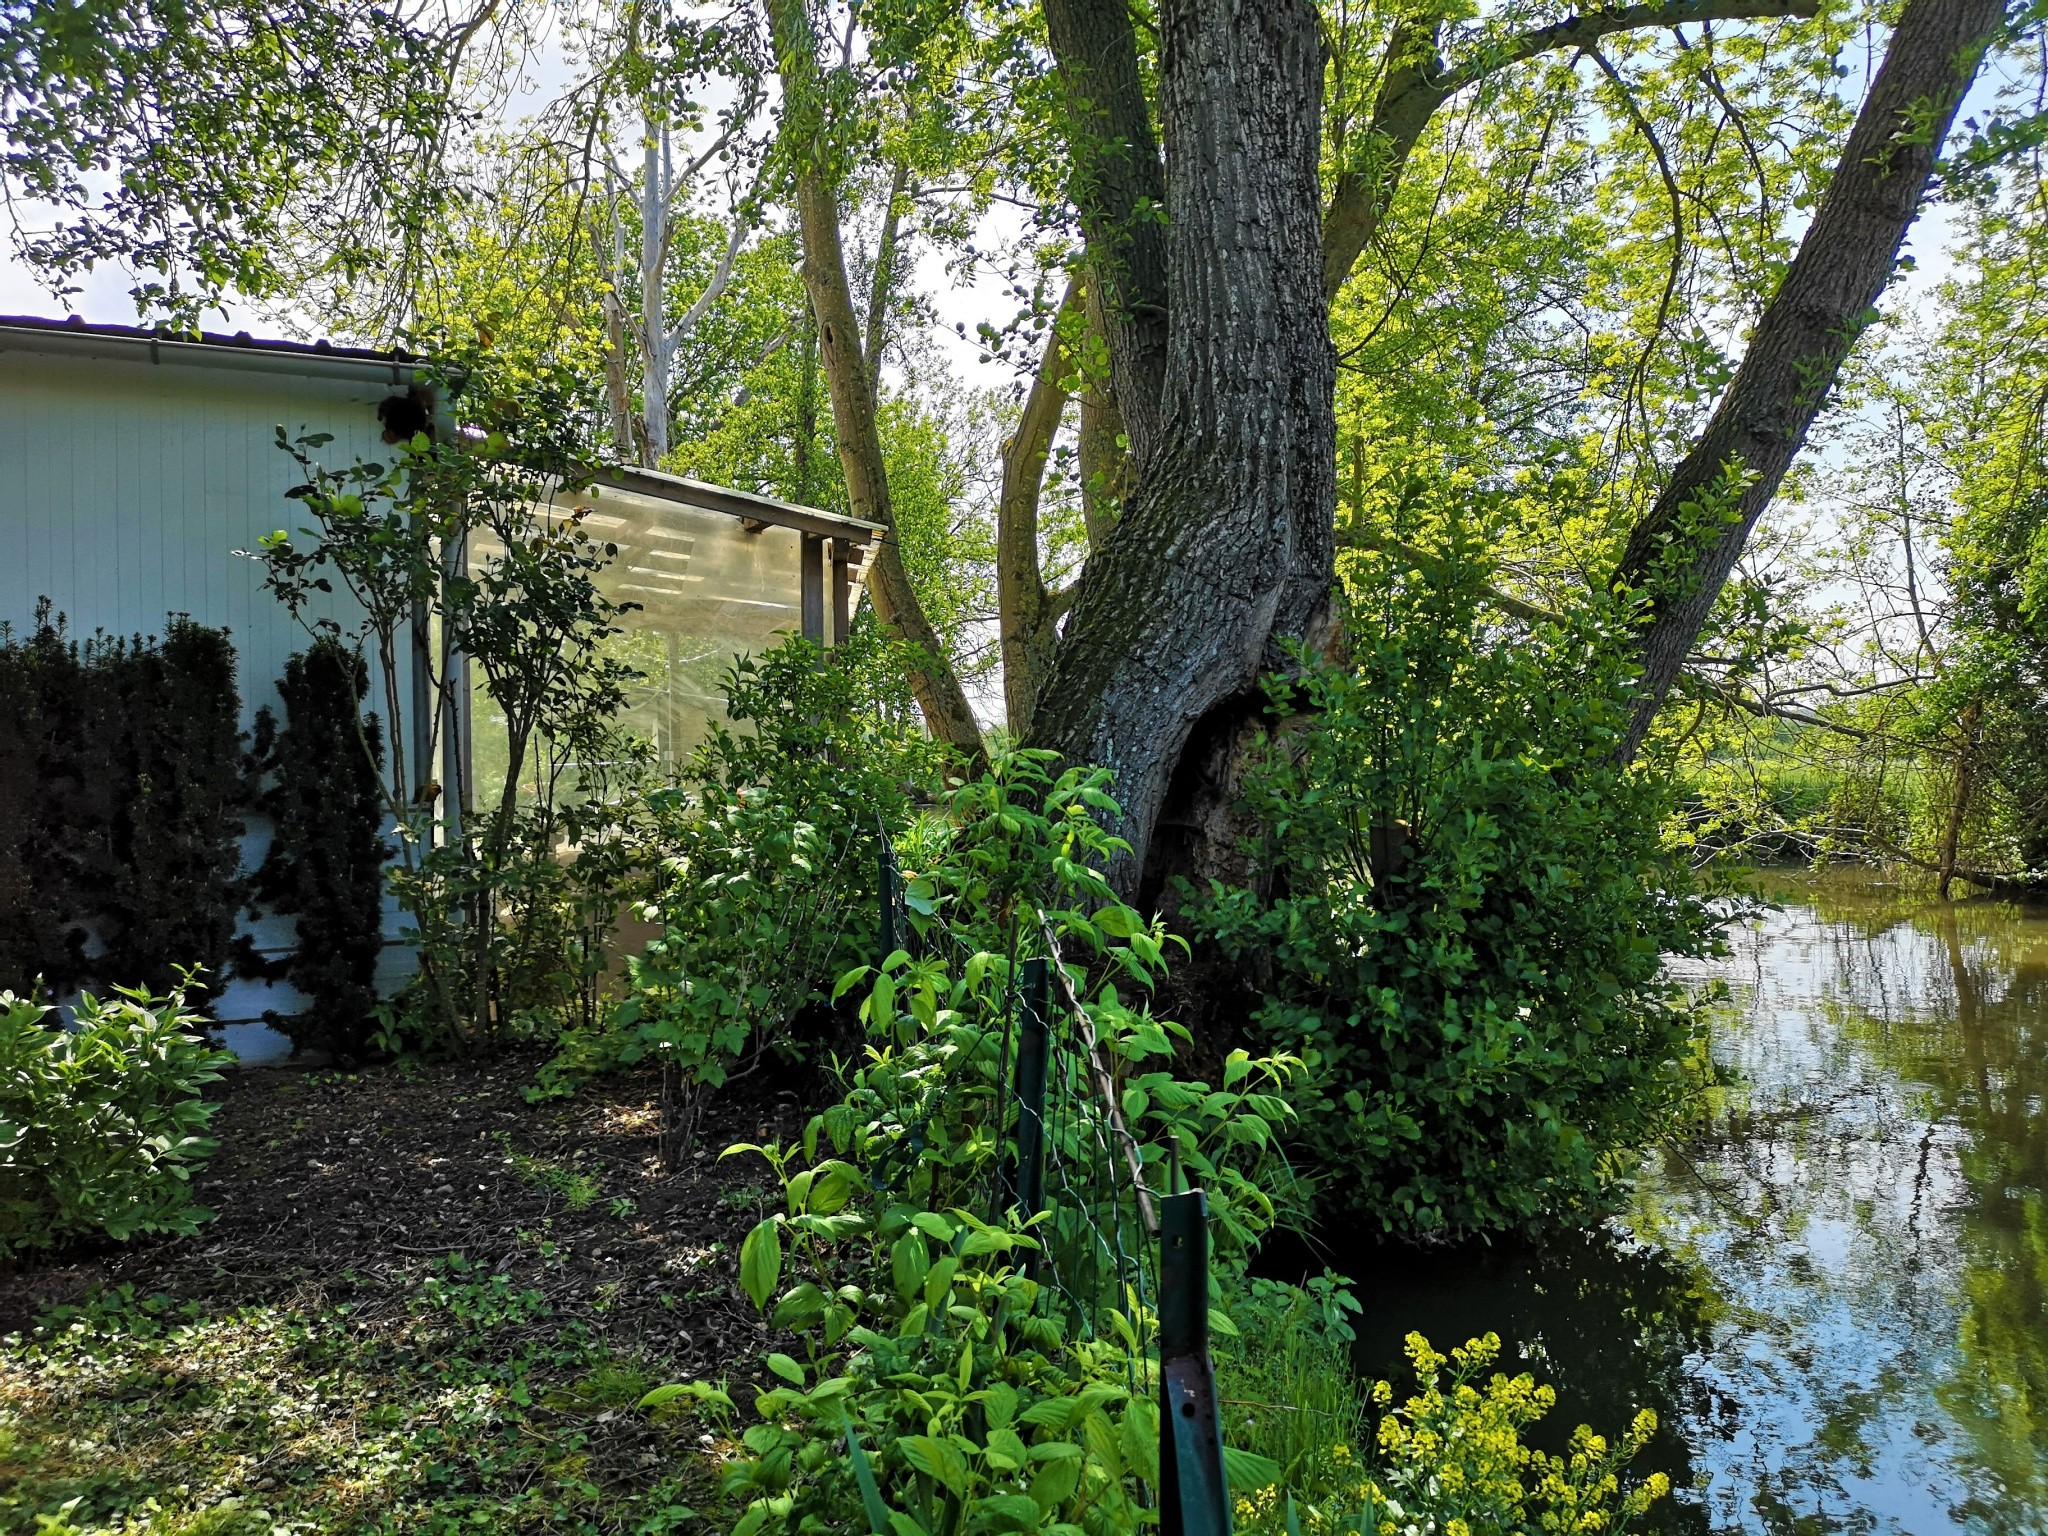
x: 375, y: 1175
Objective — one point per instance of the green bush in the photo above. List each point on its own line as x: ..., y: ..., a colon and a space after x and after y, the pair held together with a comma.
x: 325, y: 868
x: 102, y: 1124
x: 169, y: 869
x: 942, y: 1384
x: 121, y: 792
x: 1461, y: 912
x: 768, y: 877
x: 953, y: 1369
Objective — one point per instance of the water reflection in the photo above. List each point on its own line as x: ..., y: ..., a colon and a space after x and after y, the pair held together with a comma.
x: 1611, y: 1323
x: 1834, y: 1297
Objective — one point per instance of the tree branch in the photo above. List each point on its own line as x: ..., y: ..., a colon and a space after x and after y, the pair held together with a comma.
x: 1119, y: 190
x: 1026, y: 616
x: 884, y: 280
x: 1417, y: 83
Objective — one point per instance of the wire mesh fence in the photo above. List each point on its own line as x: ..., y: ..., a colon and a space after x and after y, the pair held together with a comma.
x: 1115, y: 1254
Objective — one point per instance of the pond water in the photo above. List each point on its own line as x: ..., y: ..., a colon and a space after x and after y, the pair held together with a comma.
x: 1836, y: 1298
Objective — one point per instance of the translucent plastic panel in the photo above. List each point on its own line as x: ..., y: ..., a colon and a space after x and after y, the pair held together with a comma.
x: 707, y: 590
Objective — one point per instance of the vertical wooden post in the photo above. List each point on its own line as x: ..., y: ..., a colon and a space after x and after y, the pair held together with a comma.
x: 811, y: 584
x: 1194, y: 1495
x: 842, y: 591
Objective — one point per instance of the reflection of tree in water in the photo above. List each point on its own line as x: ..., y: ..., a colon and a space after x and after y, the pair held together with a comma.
x: 1608, y: 1322
x: 1839, y: 1302
x: 1873, y: 1207
x: 1992, y: 1085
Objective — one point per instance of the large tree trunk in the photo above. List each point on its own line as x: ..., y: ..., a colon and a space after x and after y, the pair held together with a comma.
x: 1224, y: 549
x: 1679, y: 556
x: 847, y: 381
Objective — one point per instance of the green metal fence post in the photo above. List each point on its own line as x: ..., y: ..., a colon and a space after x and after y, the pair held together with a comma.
x: 1194, y: 1495
x: 890, y: 882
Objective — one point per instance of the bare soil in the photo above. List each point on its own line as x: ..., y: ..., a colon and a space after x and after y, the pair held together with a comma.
x: 367, y: 1179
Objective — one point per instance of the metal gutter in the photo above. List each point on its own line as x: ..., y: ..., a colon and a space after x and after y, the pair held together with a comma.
x: 241, y: 354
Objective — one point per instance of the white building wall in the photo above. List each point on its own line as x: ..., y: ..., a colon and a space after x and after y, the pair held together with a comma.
x: 126, y: 486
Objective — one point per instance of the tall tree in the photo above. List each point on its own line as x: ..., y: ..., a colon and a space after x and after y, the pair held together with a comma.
x: 1681, y: 552
x: 848, y: 378
x: 1224, y: 373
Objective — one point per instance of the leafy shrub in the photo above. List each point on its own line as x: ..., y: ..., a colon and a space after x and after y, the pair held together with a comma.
x: 101, y: 1125
x: 1462, y: 910
x: 510, y: 934
x: 943, y: 1384
x: 41, y: 773
x: 325, y: 867
x: 958, y: 1372
x: 121, y: 793
x: 168, y: 871
x: 768, y: 880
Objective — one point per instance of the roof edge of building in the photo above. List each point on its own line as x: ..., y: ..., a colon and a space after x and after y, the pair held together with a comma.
x: 163, y: 344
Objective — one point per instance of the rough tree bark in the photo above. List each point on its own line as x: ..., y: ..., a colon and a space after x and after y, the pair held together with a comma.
x: 1224, y: 548
x: 1026, y: 612
x: 1680, y: 554
x: 847, y: 381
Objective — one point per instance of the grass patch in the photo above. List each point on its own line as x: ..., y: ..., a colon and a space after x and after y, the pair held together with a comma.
x: 460, y: 1403
x: 579, y: 1191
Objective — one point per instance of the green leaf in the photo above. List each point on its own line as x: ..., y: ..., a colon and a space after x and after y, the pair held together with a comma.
x: 800, y: 1307
x: 908, y: 1264
x: 939, y: 1281
x: 761, y: 1262
x: 787, y: 1369
x: 937, y: 1225
x: 879, y: 1523
x: 1119, y: 922
x: 1007, y: 1512
x: 833, y: 1183
x: 1055, y: 1484
x: 939, y: 1459
x: 1247, y: 1471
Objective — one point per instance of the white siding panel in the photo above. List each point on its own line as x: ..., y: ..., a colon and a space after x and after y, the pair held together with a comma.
x: 125, y: 490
